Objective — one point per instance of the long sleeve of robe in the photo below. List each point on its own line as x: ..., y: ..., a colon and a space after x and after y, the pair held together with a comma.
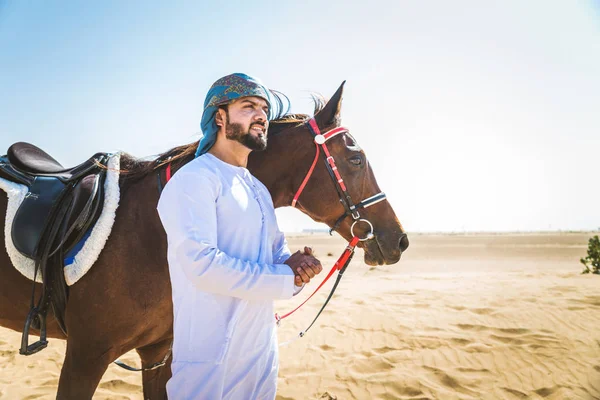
x: 225, y: 254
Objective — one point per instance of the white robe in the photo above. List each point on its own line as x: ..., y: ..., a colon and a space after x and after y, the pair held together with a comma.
x: 226, y: 257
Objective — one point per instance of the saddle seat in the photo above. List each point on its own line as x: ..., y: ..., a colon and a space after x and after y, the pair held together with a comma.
x: 31, y: 160
x: 77, y: 191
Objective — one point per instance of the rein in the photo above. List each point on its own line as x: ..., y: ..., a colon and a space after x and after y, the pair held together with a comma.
x: 351, y: 209
x: 151, y: 367
x: 340, y: 265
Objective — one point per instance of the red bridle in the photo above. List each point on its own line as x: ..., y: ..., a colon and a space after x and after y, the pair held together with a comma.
x: 168, y: 172
x: 320, y: 141
x: 342, y: 263
x: 351, y: 209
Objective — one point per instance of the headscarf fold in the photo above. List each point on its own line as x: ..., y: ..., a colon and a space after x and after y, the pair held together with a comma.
x: 223, y: 91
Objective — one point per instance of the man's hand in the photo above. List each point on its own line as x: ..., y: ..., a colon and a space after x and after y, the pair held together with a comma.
x: 304, y: 265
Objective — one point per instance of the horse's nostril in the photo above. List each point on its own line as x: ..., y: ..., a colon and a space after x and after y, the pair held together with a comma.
x: 404, y: 242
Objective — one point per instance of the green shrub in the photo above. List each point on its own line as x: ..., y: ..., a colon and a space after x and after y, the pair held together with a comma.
x: 593, y: 257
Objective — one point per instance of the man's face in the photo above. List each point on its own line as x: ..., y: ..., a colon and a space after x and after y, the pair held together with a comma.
x: 246, y: 122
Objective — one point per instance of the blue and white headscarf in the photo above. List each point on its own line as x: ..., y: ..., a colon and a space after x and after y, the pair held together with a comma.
x: 223, y: 91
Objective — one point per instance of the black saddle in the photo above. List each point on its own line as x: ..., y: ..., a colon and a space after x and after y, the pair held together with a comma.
x: 48, y: 182
x: 61, y: 205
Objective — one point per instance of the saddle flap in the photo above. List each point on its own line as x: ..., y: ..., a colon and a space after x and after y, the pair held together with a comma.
x: 86, y: 206
x: 32, y: 216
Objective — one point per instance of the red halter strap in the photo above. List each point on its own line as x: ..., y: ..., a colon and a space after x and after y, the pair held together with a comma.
x: 168, y: 172
x: 167, y: 177
x: 320, y: 140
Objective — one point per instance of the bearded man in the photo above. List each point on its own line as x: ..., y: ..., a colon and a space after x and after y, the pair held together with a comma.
x: 228, y: 260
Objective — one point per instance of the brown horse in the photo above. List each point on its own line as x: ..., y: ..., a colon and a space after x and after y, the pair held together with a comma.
x: 124, y: 301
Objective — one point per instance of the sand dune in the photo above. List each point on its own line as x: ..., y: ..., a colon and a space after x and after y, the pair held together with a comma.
x: 460, y: 317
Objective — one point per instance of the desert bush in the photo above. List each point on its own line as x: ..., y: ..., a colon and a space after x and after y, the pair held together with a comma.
x: 593, y: 257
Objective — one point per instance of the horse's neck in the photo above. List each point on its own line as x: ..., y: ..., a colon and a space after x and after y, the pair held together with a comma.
x: 269, y: 174
x: 278, y: 167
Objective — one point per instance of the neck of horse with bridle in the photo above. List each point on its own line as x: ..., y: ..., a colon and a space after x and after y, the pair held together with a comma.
x: 282, y: 168
x: 293, y: 153
x: 277, y: 167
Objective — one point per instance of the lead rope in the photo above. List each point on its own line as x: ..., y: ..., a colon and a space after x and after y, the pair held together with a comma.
x: 151, y: 367
x: 340, y: 265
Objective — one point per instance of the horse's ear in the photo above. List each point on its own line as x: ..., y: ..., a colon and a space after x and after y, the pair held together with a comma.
x: 330, y: 114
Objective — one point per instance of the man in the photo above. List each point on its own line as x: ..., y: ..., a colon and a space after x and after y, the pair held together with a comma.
x: 227, y: 258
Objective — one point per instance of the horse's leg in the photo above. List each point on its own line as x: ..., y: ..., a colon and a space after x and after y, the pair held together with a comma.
x: 155, y: 381
x: 15, y: 290
x: 83, y: 368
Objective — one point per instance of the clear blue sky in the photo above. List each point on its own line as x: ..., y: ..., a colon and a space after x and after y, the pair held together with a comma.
x: 475, y: 115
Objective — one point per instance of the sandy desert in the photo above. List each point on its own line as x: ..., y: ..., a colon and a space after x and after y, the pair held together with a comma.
x: 462, y: 316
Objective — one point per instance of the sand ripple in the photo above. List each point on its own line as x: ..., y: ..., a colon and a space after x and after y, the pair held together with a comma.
x: 461, y: 317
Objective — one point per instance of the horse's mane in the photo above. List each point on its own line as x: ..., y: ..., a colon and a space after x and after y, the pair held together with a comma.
x: 133, y: 169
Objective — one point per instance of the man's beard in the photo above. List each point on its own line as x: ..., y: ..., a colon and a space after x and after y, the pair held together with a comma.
x: 235, y: 131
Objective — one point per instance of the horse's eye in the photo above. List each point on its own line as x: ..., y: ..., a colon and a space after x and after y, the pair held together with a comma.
x: 357, y: 160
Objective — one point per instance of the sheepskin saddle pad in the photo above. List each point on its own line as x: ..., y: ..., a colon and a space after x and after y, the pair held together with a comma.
x: 56, y: 210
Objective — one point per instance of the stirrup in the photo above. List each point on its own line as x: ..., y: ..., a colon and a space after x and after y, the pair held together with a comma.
x: 29, y: 349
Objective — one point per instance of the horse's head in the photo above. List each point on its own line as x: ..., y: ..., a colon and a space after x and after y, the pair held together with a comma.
x: 283, y: 168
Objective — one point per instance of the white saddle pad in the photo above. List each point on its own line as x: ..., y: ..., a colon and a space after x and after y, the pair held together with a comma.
x: 87, y: 256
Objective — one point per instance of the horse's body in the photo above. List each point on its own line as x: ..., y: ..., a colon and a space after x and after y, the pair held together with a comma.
x: 124, y: 301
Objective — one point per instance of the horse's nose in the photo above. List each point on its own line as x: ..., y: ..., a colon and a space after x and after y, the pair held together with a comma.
x: 404, y: 242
